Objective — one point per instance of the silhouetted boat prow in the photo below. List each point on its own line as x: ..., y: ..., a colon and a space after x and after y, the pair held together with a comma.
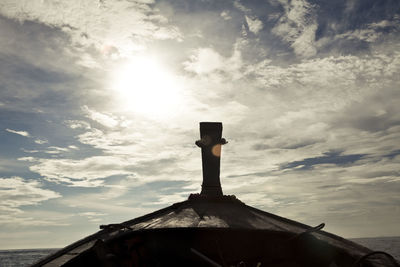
x: 212, y: 229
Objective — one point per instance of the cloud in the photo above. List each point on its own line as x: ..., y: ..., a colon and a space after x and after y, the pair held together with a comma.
x: 328, y: 158
x: 372, y: 32
x: 30, y: 151
x: 40, y: 141
x: 225, y: 15
x: 252, y: 22
x: 56, y: 150
x: 207, y: 61
x: 86, y: 173
x: 171, y: 198
x: 329, y: 192
x: 297, y: 27
x: 115, y: 142
x: 77, y: 124
x: 104, y: 119
x: 241, y: 7
x: 53, y: 150
x: 303, y: 112
x: 93, y: 171
x: 347, y: 74
x: 93, y: 216
x: 255, y: 25
x: 16, y: 192
x: 22, y: 133
x: 122, y: 24
x: 38, y: 69
x: 382, y: 113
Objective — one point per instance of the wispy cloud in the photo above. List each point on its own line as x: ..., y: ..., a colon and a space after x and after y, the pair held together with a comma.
x: 205, y: 61
x: 255, y: 25
x: 86, y: 173
x: 40, y: 141
x: 22, y: 133
x: 124, y: 25
x: 241, y: 7
x: 77, y: 124
x: 225, y: 15
x: 93, y: 171
x: 372, y: 32
x: 17, y: 192
x: 297, y: 26
x: 99, y: 117
x: 92, y: 216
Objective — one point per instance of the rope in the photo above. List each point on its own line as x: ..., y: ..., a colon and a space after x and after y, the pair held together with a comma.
x: 308, y: 231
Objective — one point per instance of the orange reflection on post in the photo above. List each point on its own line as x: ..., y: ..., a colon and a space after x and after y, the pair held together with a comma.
x: 216, y: 150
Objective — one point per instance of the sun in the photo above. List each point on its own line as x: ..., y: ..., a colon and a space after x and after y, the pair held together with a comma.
x: 145, y: 86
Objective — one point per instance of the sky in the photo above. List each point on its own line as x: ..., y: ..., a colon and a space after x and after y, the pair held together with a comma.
x: 100, y: 104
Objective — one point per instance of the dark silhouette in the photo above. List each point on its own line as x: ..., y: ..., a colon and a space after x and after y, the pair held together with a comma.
x: 210, y: 143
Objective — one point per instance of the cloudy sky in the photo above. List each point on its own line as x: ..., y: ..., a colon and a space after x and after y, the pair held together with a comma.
x: 100, y: 103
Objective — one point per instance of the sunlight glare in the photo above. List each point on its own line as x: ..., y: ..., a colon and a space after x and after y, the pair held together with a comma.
x: 144, y: 86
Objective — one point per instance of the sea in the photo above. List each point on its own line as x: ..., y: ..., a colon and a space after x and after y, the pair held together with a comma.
x: 26, y: 257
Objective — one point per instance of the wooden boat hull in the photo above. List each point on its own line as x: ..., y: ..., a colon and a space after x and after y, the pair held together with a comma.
x: 204, y: 231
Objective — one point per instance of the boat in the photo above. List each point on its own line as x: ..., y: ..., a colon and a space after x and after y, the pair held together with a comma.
x: 213, y: 229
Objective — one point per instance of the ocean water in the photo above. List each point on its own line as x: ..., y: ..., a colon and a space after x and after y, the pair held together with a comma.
x: 390, y: 245
x: 26, y: 257
x: 23, y: 257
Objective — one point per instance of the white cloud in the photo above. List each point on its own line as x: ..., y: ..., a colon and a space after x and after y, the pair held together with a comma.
x: 22, y: 133
x: 241, y: 7
x: 332, y: 80
x: 167, y: 33
x: 29, y: 159
x: 171, y: 198
x: 303, y: 110
x: 225, y: 15
x: 93, y: 216
x: 231, y: 111
x: 115, y: 142
x: 91, y: 213
x: 40, y: 141
x: 255, y: 25
x: 121, y: 24
x: 22, y: 219
x: 384, y: 24
x: 16, y: 192
x: 208, y: 61
x: 104, y: 119
x: 30, y: 151
x: 77, y: 124
x: 297, y: 26
x: 371, y: 33
x: 87, y: 172
x: 93, y: 171
x: 205, y: 60
x: 56, y: 150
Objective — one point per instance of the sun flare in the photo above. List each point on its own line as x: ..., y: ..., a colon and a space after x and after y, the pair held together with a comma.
x: 145, y: 86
